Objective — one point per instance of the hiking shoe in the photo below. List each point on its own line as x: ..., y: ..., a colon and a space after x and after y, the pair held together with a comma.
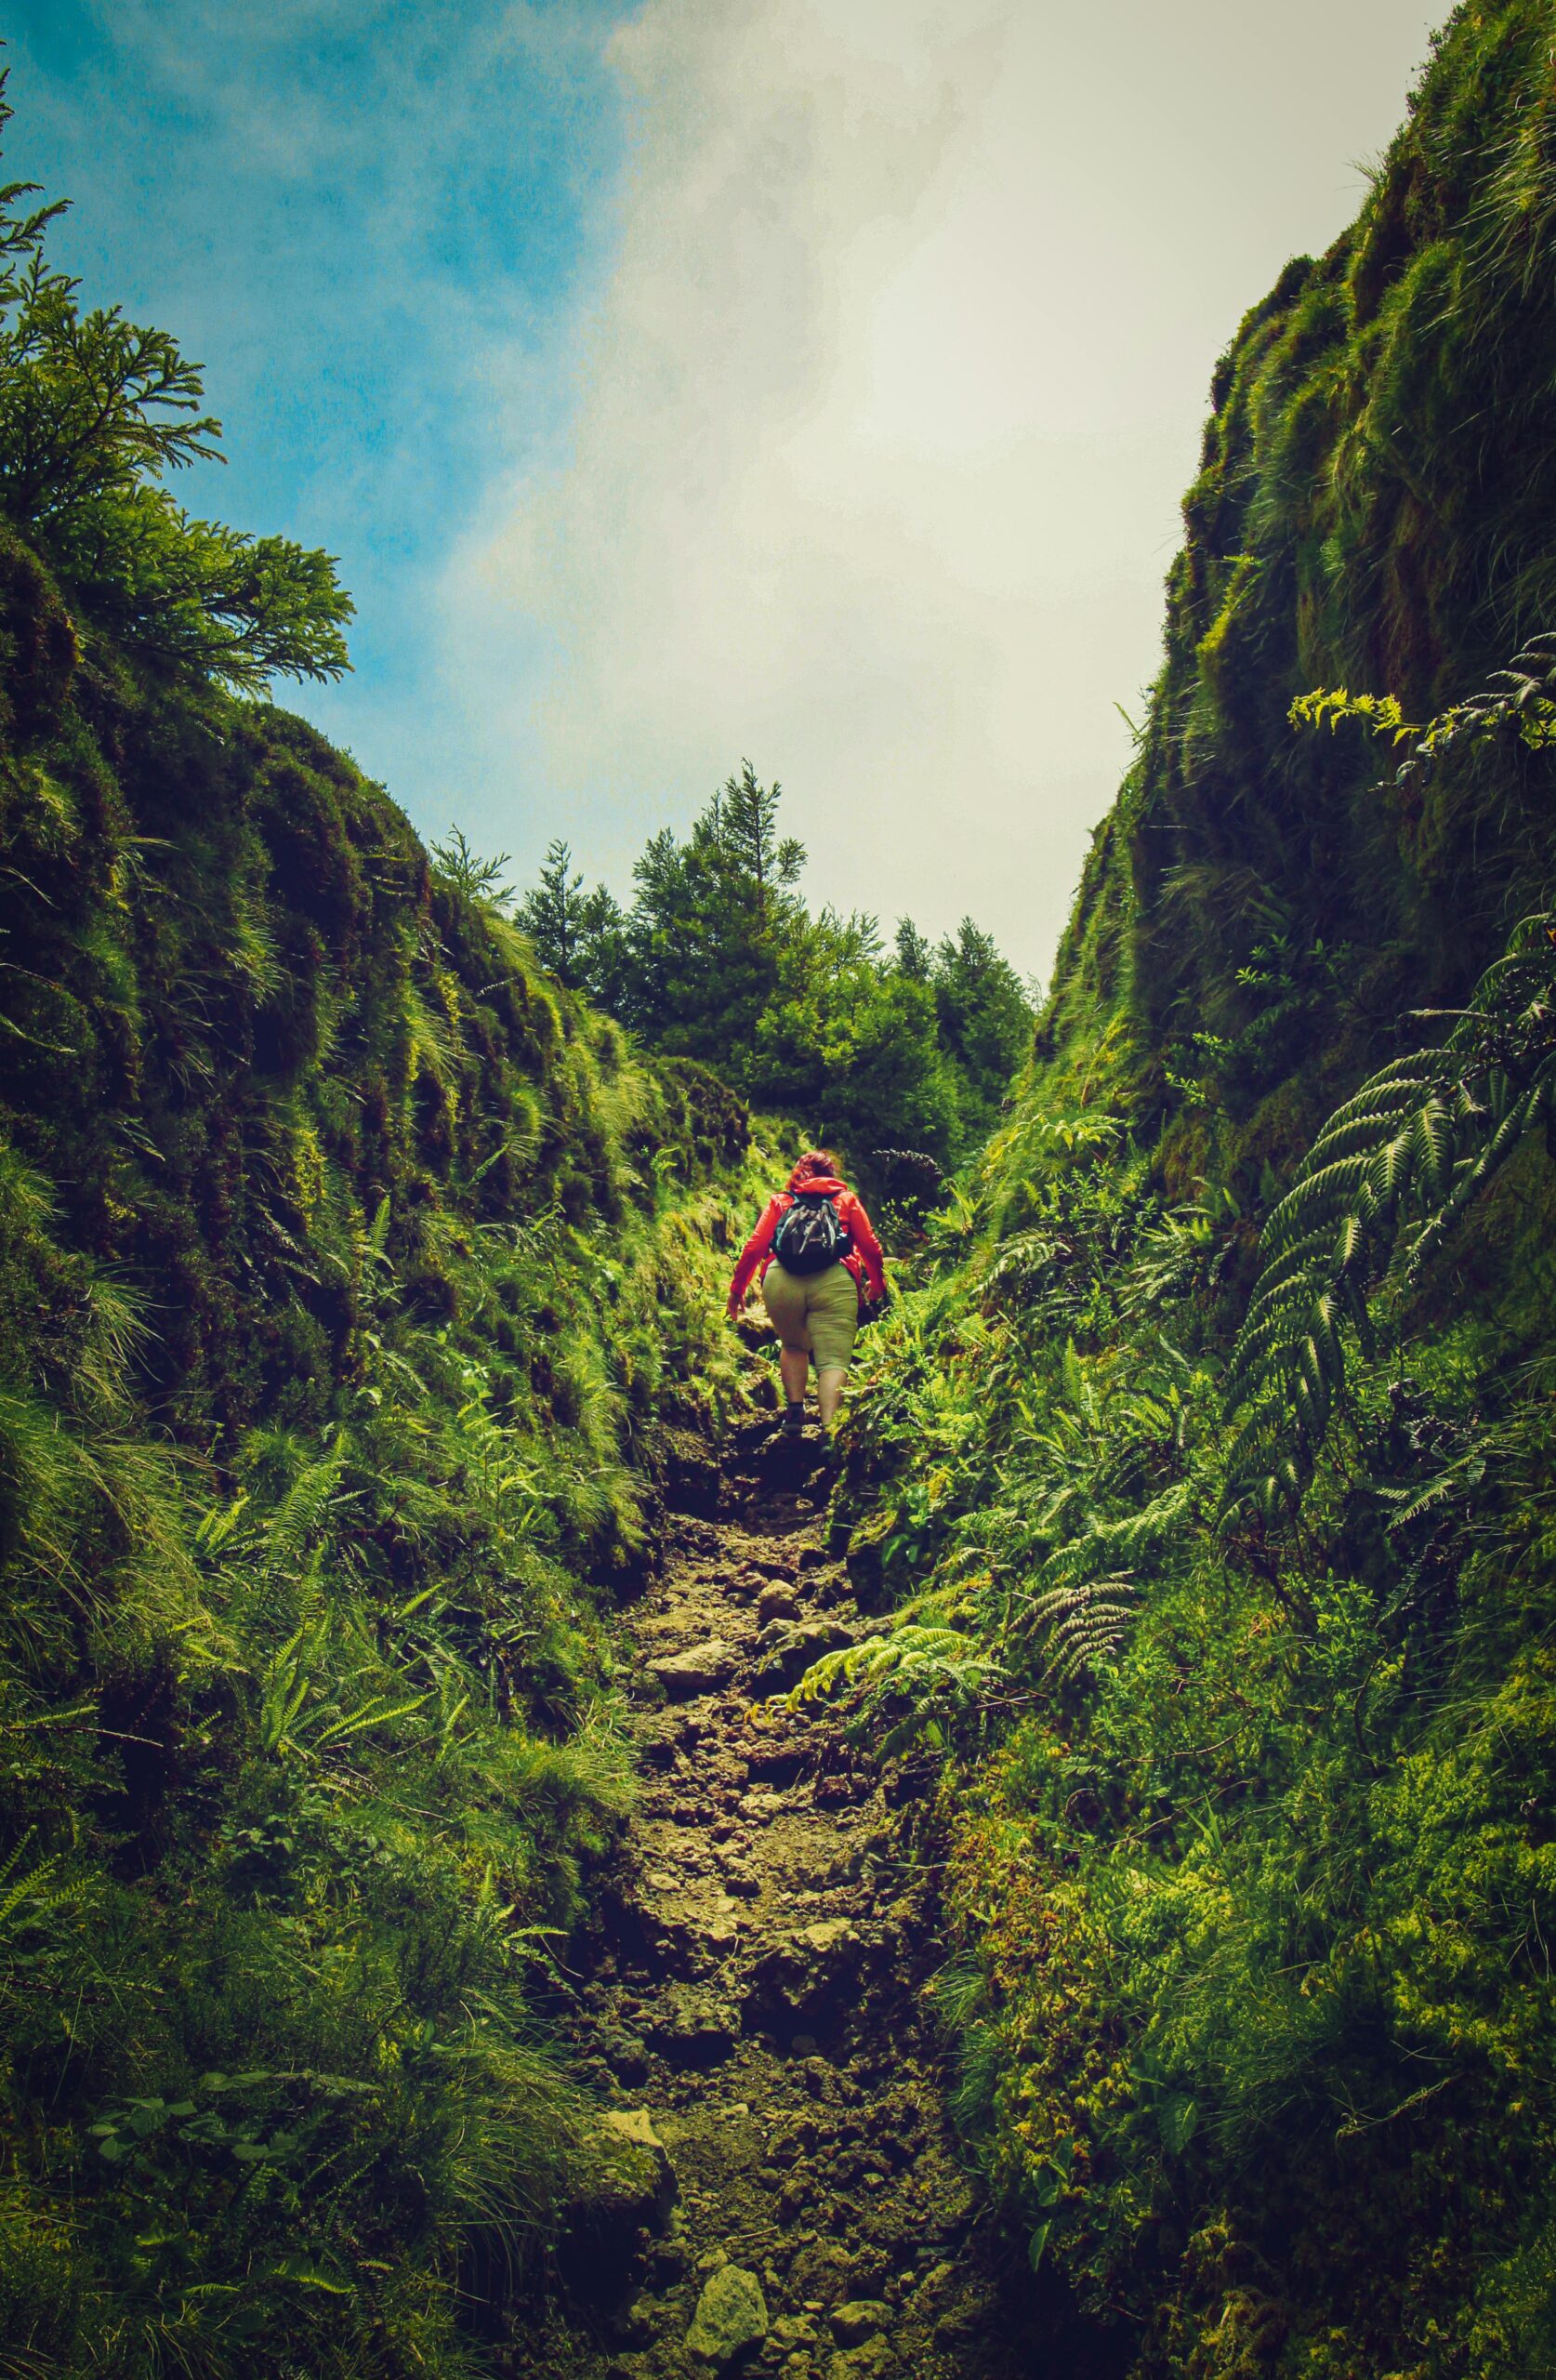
x: 794, y: 1421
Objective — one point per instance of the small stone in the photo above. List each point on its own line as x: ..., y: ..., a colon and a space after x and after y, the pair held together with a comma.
x: 731, y: 2316
x: 872, y: 2360
x: 701, y: 1670
x: 829, y: 1937
x: 639, y: 2324
x: 625, y: 2056
x: 777, y: 1602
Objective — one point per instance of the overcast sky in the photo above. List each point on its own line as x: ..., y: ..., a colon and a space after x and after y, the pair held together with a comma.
x: 810, y: 379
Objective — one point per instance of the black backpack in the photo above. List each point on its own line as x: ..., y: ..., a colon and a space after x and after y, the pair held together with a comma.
x: 812, y: 1234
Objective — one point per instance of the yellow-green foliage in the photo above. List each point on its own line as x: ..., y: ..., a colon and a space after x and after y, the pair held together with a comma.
x: 1249, y: 1870
x: 350, y: 1275
x: 1375, y: 508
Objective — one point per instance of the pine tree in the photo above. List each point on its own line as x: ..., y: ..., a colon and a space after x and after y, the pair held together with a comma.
x: 746, y: 825
x: 549, y: 914
x: 575, y: 934
x: 986, y: 1021
x: 915, y: 953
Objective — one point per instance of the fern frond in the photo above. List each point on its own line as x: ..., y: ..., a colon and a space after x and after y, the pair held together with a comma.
x: 1085, y: 1624
x: 1422, y: 1138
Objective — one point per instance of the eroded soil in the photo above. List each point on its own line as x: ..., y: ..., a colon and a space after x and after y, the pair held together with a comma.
x: 755, y: 2015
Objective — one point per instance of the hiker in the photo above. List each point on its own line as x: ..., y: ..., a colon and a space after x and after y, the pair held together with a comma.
x: 821, y: 1267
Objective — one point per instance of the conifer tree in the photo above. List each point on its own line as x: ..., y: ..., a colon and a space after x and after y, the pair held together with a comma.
x: 747, y: 828
x: 574, y: 933
x: 915, y: 953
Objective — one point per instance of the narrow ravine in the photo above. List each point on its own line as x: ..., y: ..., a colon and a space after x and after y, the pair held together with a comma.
x: 783, y: 2189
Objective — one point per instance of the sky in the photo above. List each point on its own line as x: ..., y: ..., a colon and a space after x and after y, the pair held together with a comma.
x: 810, y: 381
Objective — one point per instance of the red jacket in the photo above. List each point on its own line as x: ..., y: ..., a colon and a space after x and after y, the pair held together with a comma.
x: 864, y: 1261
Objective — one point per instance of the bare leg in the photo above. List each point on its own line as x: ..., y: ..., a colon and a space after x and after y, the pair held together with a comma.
x: 829, y: 1392
x: 794, y: 1365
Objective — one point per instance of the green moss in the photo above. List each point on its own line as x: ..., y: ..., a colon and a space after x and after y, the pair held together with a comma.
x: 1247, y: 1874
x: 342, y: 1262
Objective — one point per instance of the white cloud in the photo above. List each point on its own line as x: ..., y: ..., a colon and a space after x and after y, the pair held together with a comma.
x: 884, y: 416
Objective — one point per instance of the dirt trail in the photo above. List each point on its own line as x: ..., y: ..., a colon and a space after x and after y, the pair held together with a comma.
x: 783, y: 2193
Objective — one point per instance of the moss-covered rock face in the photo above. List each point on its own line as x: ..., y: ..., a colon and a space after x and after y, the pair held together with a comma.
x: 351, y: 1281
x: 1245, y: 1794
x: 1376, y: 508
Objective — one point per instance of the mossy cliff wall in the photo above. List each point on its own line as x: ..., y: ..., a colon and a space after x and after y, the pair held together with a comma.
x: 352, y: 1283
x: 1243, y: 1802
x: 1375, y: 508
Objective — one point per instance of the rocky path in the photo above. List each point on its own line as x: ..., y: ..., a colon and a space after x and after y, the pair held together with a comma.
x: 781, y: 2191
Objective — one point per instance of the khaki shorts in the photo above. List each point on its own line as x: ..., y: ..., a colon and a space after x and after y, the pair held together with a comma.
x: 819, y: 1312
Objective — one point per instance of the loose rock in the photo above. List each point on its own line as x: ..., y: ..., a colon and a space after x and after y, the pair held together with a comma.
x: 859, y: 2319
x: 699, y: 1671
x: 731, y: 2317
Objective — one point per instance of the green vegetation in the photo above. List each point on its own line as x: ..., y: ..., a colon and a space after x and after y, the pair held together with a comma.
x: 356, y: 1276
x: 1208, y: 1471
x: 93, y: 409
x: 720, y: 959
x: 354, y: 1280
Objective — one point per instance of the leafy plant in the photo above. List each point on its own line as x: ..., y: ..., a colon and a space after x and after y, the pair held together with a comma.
x: 93, y: 409
x: 1414, y: 1146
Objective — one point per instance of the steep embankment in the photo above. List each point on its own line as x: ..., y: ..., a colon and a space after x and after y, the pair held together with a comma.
x: 1242, y: 1680
x: 354, y: 1288
x: 1375, y: 508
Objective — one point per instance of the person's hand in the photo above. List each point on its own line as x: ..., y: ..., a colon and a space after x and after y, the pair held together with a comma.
x: 732, y: 1309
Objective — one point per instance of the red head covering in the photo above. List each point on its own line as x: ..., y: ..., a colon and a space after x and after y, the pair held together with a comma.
x: 816, y: 1165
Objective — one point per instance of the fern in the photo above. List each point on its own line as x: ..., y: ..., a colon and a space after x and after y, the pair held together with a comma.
x: 918, y: 1663
x: 29, y: 1894
x: 1519, y: 700
x: 1089, y: 1595
x: 1381, y: 1188
x: 1084, y: 1623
